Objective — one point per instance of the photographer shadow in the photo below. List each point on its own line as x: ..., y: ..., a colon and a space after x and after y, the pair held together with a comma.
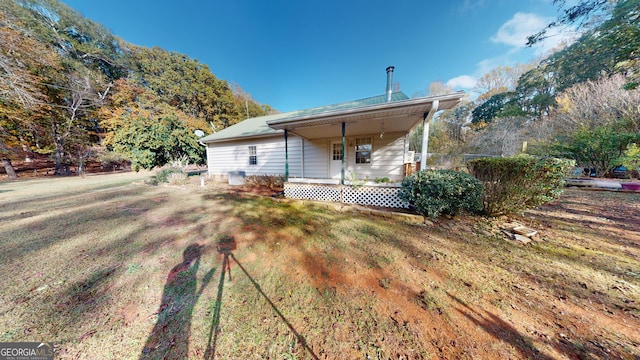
x: 169, y: 338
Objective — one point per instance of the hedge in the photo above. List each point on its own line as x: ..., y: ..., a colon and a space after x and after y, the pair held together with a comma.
x: 435, y: 192
x: 517, y: 183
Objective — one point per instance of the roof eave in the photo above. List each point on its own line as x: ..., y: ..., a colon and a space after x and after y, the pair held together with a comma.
x: 278, y: 132
x: 281, y: 124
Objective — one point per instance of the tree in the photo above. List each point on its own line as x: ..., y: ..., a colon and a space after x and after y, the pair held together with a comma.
x: 57, y: 70
x: 503, y: 137
x: 149, y: 132
x: 500, y: 80
x: 535, y: 91
x: 439, y: 88
x: 585, y: 14
x: 250, y: 108
x: 451, y: 128
x: 497, y: 106
x: 609, y: 48
x: 600, y: 148
x: 187, y: 85
x: 21, y: 90
x: 70, y: 119
x: 149, y: 142
x: 595, y: 103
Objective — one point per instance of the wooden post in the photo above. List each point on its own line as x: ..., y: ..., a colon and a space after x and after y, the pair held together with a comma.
x: 286, y: 155
x: 342, y: 168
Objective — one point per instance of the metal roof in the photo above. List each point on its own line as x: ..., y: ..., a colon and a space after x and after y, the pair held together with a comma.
x: 257, y: 126
x: 362, y: 113
x: 252, y: 127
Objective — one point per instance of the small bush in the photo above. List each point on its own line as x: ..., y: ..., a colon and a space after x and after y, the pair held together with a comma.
x: 383, y: 180
x: 274, y: 182
x: 177, y: 178
x: 517, y: 183
x: 436, y: 192
x: 163, y: 174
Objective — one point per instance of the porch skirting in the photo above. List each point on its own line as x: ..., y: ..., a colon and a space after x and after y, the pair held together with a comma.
x: 370, y: 195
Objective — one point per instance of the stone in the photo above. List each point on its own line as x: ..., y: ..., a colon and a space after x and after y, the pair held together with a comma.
x: 508, y: 234
x: 524, y: 231
x: 510, y: 226
x: 521, y: 238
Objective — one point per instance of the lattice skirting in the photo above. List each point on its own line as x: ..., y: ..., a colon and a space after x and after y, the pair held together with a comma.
x: 312, y: 192
x: 362, y: 195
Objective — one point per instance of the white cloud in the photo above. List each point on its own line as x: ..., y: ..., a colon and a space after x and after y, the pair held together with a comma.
x: 513, y: 34
x: 515, y: 31
x: 462, y: 81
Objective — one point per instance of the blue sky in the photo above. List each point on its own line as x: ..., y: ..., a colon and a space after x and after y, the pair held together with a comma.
x: 300, y: 54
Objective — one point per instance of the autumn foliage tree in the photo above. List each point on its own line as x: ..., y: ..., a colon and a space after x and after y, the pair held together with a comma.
x: 68, y: 87
x: 147, y: 131
x: 23, y: 67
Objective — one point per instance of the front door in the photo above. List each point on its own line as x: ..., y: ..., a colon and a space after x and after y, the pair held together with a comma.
x: 335, y: 159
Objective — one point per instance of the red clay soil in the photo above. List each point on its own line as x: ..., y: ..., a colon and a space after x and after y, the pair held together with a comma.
x: 530, y: 316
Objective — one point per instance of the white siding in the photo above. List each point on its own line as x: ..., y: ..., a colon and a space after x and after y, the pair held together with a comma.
x: 386, y: 160
x: 223, y: 157
x: 316, y: 159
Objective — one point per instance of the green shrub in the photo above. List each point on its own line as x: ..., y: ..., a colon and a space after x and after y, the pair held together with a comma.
x: 517, y: 183
x: 164, y: 174
x: 436, y: 192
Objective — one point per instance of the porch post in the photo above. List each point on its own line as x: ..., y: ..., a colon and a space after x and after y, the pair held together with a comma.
x: 342, y: 167
x: 286, y: 155
x: 426, y: 120
x: 425, y: 143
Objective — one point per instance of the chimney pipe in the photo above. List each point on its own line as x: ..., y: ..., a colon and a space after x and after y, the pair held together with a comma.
x: 389, y: 82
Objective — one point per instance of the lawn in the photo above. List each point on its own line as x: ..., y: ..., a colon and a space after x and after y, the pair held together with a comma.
x: 108, y: 267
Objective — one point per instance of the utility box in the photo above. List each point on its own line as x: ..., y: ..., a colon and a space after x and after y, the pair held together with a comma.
x: 236, y: 177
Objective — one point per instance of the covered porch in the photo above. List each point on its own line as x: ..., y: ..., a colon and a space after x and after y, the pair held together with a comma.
x: 356, y: 154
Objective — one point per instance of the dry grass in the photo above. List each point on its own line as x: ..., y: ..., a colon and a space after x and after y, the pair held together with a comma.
x: 107, y: 268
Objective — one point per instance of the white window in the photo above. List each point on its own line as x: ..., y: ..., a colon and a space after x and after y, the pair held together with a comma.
x: 337, y: 151
x: 363, y: 150
x: 253, y: 155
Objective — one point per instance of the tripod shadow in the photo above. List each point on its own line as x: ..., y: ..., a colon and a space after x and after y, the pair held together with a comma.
x: 225, y: 247
x: 169, y: 338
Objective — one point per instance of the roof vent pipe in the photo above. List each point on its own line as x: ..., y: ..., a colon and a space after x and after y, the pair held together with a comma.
x: 389, y: 82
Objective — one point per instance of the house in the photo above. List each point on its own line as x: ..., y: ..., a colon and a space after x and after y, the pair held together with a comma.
x: 321, y: 151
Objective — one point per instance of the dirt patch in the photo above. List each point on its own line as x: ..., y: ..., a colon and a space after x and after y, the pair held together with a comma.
x: 573, y: 293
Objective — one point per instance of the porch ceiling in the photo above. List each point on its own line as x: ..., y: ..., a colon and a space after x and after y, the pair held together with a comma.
x: 398, y: 116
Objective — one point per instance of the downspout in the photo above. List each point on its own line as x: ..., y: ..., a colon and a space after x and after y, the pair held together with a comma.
x: 286, y: 155
x: 425, y: 133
